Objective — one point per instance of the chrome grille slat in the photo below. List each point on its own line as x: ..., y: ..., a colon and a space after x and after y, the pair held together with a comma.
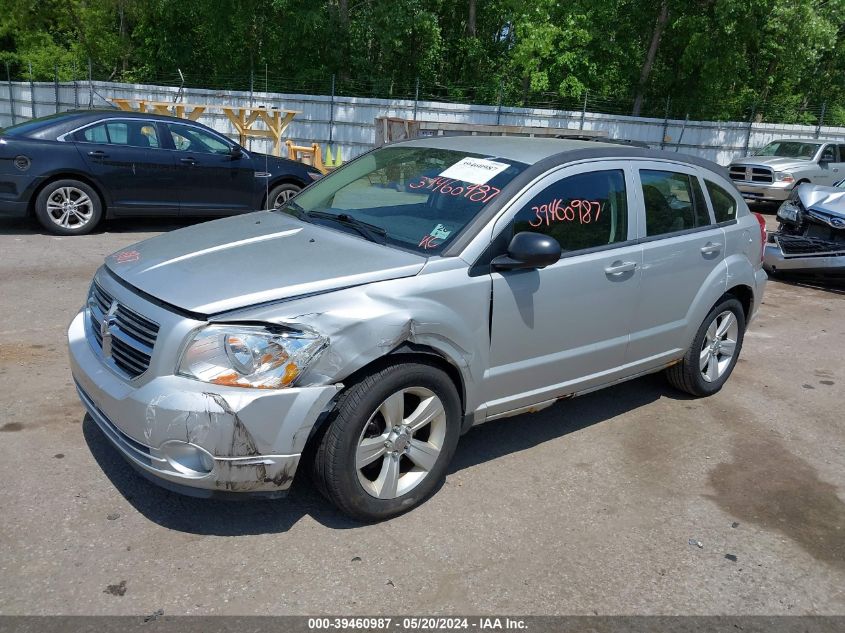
x: 128, y: 324
x: 125, y: 361
x: 130, y: 340
x: 133, y: 336
x: 747, y: 173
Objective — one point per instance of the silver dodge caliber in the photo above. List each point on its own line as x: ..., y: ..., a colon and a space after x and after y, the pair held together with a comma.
x: 421, y: 289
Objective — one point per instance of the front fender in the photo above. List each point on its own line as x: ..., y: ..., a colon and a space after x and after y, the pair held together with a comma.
x: 446, y: 311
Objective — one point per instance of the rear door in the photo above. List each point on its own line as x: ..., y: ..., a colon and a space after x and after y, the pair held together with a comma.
x: 565, y: 327
x: 683, y: 248
x: 126, y: 157
x: 210, y: 180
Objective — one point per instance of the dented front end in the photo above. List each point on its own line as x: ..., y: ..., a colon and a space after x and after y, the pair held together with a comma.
x: 198, y: 438
x: 811, y: 236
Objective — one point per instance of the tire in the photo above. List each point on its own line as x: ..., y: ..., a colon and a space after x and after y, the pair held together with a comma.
x: 68, y: 207
x: 280, y: 194
x: 691, y: 374
x: 399, y: 474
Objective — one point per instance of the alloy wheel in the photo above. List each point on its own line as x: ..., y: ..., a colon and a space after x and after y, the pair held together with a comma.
x: 282, y: 197
x: 719, y: 346
x: 400, y: 443
x: 70, y: 208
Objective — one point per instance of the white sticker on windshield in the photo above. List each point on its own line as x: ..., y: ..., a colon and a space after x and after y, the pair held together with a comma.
x: 474, y: 170
x: 440, y: 232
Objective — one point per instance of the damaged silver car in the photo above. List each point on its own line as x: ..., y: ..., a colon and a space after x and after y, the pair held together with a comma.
x: 424, y: 288
x: 810, y: 239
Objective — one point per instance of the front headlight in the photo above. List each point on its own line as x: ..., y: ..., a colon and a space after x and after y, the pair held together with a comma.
x: 250, y: 356
x: 784, y: 176
x: 788, y: 211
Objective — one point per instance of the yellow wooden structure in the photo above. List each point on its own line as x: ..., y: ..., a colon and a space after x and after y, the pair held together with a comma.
x: 312, y: 155
x: 243, y: 118
x: 166, y: 108
x: 276, y: 121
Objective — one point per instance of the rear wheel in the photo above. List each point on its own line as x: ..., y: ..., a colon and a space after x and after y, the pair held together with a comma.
x: 68, y: 207
x: 390, y: 442
x: 710, y: 359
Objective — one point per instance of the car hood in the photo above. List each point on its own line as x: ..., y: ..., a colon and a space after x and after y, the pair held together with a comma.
x: 777, y: 163
x: 830, y: 200
x: 254, y: 258
x: 273, y: 163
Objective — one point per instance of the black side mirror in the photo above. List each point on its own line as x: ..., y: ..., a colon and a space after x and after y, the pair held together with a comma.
x: 235, y: 151
x: 528, y: 250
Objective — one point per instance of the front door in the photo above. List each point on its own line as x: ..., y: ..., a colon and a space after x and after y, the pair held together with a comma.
x: 831, y: 164
x: 565, y: 328
x: 683, y: 253
x: 126, y: 158
x: 211, y: 180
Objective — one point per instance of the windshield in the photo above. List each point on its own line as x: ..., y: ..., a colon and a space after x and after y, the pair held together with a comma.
x: 790, y: 149
x: 418, y: 198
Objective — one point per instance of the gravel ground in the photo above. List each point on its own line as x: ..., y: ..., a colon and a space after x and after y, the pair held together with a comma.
x: 592, y: 506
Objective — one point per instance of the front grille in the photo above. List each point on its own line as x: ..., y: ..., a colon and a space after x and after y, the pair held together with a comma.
x: 796, y: 245
x: 132, y: 335
x: 751, y: 174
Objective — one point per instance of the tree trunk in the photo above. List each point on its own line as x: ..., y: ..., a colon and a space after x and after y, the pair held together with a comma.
x: 471, y: 19
x: 659, y: 26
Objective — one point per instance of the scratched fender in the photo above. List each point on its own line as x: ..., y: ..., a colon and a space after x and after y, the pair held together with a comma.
x: 368, y: 322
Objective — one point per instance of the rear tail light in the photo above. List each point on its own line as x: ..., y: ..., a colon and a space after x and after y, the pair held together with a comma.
x: 763, y: 236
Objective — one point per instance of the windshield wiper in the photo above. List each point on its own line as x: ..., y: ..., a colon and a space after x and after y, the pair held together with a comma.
x: 292, y: 208
x: 372, y: 232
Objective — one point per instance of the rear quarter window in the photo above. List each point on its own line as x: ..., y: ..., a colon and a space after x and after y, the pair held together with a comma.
x: 724, y: 204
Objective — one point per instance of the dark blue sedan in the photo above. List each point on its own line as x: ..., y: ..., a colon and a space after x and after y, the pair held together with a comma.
x: 71, y: 170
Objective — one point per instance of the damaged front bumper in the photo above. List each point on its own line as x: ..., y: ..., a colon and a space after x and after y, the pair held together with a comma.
x: 810, y: 260
x: 197, y: 438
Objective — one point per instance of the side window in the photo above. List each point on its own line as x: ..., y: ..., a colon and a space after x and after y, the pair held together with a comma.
x: 841, y: 153
x: 191, y: 139
x: 132, y: 133
x: 582, y: 211
x: 93, y: 134
x: 724, y: 204
x: 828, y: 154
x: 118, y: 133
x: 673, y: 202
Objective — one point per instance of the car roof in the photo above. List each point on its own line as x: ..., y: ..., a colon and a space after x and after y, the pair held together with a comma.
x: 523, y: 149
x: 802, y: 140
x: 54, y: 125
x: 552, y: 151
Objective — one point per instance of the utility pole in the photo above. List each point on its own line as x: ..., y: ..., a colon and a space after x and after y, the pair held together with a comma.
x: 56, y: 85
x: 584, y: 108
x: 499, y: 108
x: 31, y: 91
x: 331, y: 112
x: 821, y: 120
x: 11, y: 94
x: 665, y: 123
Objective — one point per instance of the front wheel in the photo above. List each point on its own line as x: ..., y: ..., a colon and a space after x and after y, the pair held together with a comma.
x: 710, y: 359
x: 281, y: 194
x: 390, y: 441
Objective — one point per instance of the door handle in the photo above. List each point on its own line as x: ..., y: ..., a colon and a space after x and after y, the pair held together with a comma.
x: 617, y: 268
x: 710, y: 248
x: 188, y: 161
x: 97, y: 154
